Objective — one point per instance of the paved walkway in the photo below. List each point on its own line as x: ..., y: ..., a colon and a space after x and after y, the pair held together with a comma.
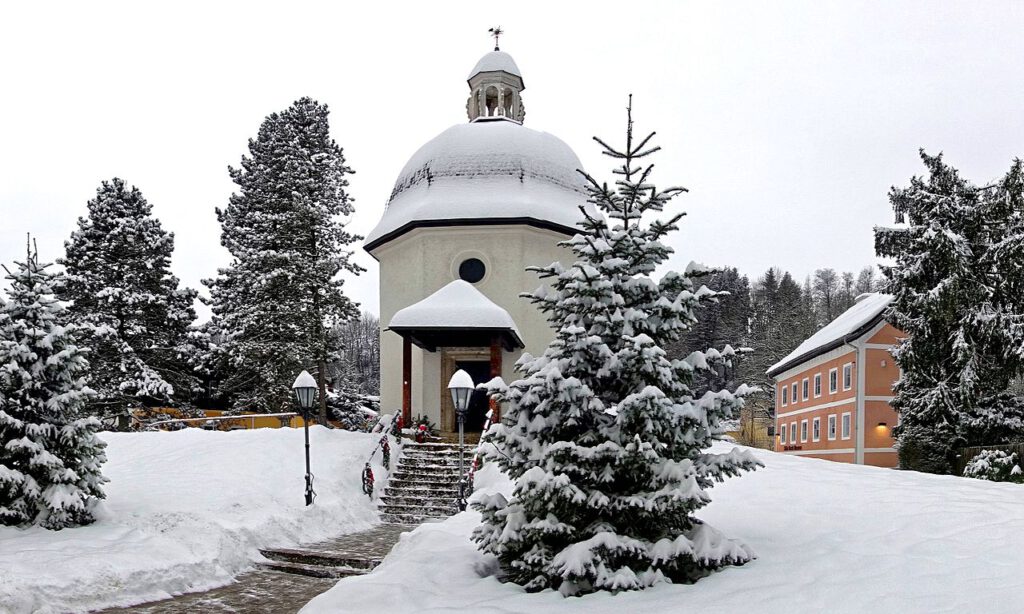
x: 270, y: 591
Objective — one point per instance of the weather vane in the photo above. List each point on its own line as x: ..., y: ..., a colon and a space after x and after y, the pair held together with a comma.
x: 496, y: 32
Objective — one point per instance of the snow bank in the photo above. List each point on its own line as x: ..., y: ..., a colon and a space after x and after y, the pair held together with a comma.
x: 830, y: 538
x: 187, y: 511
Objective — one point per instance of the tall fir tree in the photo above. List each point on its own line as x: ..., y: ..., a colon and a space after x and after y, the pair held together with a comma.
x: 285, y: 230
x: 603, y: 436
x: 50, y: 457
x: 956, y: 283
x: 122, y: 293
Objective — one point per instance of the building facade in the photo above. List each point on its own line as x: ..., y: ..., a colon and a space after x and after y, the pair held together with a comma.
x: 469, y: 212
x: 833, y: 392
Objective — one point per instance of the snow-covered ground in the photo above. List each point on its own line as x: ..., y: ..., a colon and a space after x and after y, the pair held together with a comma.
x: 830, y: 538
x: 187, y: 511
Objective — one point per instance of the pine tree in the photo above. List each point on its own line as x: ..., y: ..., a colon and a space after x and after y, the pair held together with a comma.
x: 603, y: 436
x: 865, y: 281
x: 276, y: 302
x: 956, y: 283
x: 723, y: 321
x: 825, y: 290
x: 50, y: 457
x: 360, y: 357
x: 122, y: 293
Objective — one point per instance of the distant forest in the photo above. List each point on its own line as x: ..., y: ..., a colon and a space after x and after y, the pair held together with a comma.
x: 771, y: 317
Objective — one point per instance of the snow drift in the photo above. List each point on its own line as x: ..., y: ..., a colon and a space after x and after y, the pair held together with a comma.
x: 829, y: 537
x: 187, y: 511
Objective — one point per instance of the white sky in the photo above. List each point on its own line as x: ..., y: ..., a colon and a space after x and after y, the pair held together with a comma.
x: 788, y: 122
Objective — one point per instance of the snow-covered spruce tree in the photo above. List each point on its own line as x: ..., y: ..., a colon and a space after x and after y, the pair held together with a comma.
x: 285, y: 229
x: 122, y: 293
x: 50, y: 457
x: 958, y: 296
x: 602, y: 435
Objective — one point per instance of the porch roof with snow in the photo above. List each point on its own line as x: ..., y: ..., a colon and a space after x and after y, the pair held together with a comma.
x: 848, y: 326
x: 457, y: 315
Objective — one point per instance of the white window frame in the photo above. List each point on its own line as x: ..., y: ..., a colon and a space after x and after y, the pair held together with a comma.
x: 803, y: 431
x: 816, y: 429
x: 793, y: 394
x: 833, y: 380
x: 785, y: 395
x: 847, y: 425
x: 832, y: 430
x: 806, y: 388
x: 817, y: 385
x: 792, y: 432
x: 848, y: 376
x: 782, y: 432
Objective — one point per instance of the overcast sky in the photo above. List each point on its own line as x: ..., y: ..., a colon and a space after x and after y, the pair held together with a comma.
x: 788, y: 122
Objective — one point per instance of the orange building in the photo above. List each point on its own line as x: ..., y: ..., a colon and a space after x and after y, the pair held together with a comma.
x: 832, y: 392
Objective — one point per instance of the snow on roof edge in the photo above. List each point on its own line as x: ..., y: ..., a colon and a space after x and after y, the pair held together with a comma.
x: 456, y: 305
x: 864, y: 312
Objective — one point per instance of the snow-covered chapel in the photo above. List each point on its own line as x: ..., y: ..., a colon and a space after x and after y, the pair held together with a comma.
x: 469, y: 212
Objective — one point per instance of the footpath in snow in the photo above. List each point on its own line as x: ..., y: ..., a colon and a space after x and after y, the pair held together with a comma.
x: 187, y: 511
x: 830, y: 538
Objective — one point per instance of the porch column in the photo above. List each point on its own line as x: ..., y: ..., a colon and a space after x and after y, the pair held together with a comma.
x: 406, y: 382
x: 495, y: 372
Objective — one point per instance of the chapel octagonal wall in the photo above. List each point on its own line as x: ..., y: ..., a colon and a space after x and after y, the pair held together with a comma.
x: 424, y: 260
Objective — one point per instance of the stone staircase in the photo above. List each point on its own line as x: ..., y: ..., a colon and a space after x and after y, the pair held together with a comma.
x: 425, y: 484
x: 347, y: 555
x: 315, y: 564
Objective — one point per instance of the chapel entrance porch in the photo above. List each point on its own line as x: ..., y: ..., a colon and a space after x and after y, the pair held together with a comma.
x: 457, y: 327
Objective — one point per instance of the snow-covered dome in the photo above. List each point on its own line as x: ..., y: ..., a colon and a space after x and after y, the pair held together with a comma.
x: 490, y: 171
x: 496, y: 61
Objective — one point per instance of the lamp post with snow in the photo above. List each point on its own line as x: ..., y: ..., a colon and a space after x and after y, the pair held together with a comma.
x: 305, y: 392
x: 461, y: 387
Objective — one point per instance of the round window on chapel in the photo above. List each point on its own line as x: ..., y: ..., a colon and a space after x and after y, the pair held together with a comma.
x: 472, y: 270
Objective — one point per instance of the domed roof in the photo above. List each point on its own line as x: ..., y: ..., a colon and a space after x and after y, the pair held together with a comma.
x: 493, y: 62
x: 486, y: 172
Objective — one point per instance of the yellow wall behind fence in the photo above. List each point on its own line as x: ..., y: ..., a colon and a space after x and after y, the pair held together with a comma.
x: 257, y: 422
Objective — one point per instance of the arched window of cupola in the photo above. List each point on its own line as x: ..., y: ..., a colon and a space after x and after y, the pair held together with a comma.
x: 491, y: 101
x: 507, y: 99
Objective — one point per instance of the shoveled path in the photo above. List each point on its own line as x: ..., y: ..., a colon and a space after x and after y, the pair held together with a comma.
x: 271, y: 591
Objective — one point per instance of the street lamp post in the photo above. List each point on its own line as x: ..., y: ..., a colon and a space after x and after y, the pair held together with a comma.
x: 305, y: 392
x: 461, y: 387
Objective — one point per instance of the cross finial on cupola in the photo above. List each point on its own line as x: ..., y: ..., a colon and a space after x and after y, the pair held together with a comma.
x: 495, y: 85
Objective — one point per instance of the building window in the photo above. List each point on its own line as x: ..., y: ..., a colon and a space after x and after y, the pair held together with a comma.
x: 848, y: 376
x: 803, y: 431
x: 817, y: 385
x: 794, y: 393
x: 785, y: 395
x: 782, y: 433
x: 806, y: 387
x: 832, y: 427
x: 472, y: 270
x: 816, y: 429
x: 833, y: 380
x: 792, y: 432
x: 846, y: 425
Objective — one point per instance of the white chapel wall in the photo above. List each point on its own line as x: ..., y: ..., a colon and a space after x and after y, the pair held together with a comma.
x: 417, y: 264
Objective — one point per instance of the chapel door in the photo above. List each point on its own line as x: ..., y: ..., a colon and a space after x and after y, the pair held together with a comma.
x: 480, y: 371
